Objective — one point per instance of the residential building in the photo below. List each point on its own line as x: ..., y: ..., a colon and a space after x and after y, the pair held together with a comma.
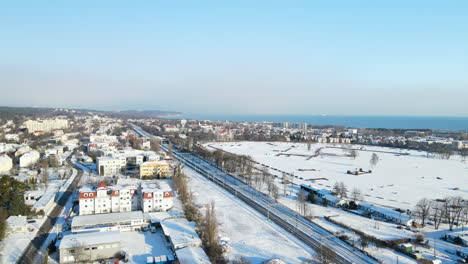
x: 149, y: 196
x: 6, y: 163
x: 16, y: 224
x: 108, y: 166
x: 159, y: 169
x: 156, y: 197
x: 90, y: 246
x: 29, y: 158
x: 46, y: 125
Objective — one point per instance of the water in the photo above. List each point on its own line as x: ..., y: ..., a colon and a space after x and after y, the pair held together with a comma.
x: 403, y: 122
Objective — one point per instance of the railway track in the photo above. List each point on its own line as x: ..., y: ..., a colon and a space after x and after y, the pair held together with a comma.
x: 308, y: 232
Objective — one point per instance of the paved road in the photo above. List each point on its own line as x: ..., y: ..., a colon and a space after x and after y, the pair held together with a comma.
x: 34, y: 246
x: 311, y: 234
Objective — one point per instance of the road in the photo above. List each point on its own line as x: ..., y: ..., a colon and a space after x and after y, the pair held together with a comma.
x: 311, y: 234
x: 36, y: 244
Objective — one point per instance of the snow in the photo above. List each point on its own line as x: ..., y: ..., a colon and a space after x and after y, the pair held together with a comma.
x: 89, y: 239
x: 181, y: 232
x: 82, y: 221
x: 141, y: 245
x: 248, y: 233
x: 192, y: 255
x: 396, y: 181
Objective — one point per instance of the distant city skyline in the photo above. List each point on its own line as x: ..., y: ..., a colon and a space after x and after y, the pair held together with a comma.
x: 395, y: 58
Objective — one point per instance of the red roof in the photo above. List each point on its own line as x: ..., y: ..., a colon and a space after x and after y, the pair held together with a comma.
x: 102, y: 185
x: 168, y: 194
x: 147, y: 195
x: 115, y: 193
x: 87, y: 195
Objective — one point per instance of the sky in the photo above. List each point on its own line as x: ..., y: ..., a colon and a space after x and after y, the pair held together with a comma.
x: 237, y: 57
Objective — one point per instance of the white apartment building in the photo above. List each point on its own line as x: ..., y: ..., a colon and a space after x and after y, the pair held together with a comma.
x: 5, y: 163
x: 29, y: 158
x: 103, y: 139
x: 46, y: 125
x: 108, y: 166
x: 151, y: 197
x: 156, y: 196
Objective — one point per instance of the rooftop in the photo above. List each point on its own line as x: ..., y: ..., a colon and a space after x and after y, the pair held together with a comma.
x: 88, y: 239
x: 103, y: 219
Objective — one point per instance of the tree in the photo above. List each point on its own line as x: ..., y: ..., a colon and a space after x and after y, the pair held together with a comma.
x: 453, y: 207
x: 437, y: 213
x: 422, y: 209
x: 45, y: 171
x: 309, y: 144
x: 301, y: 201
x: 340, y: 189
x: 353, y: 153
x: 374, y: 160
x: 169, y: 149
x: 17, y: 204
x: 155, y: 145
x: 356, y: 194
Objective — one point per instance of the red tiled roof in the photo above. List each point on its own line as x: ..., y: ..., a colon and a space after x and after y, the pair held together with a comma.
x: 168, y: 194
x: 102, y: 185
x: 87, y: 195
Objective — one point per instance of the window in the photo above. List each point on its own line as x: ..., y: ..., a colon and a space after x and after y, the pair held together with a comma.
x: 93, y: 248
x: 72, y: 251
x: 86, y: 249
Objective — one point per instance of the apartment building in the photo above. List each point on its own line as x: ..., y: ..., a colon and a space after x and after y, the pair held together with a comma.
x: 46, y: 125
x: 149, y: 196
x: 108, y: 166
x: 159, y: 169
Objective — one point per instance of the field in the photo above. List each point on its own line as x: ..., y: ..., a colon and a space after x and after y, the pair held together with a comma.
x: 399, y: 179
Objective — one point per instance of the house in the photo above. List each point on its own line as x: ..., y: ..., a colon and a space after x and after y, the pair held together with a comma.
x: 90, y: 246
x: 159, y: 169
x: 12, y: 137
x: 16, y: 224
x: 6, y: 163
x: 407, y: 247
x: 29, y: 158
x: 387, y: 214
x: 181, y: 233
x: 127, y: 221
x: 460, y: 237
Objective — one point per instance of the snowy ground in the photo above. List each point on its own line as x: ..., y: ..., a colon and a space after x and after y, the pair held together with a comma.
x: 249, y: 234
x: 335, y: 168
x: 397, y: 180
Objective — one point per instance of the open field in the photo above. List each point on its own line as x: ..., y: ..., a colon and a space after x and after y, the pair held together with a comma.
x: 397, y: 180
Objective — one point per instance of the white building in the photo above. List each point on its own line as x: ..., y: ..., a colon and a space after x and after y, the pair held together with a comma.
x: 156, y: 197
x: 103, y: 139
x: 90, y: 246
x: 29, y: 158
x: 46, y: 125
x: 110, y: 166
x: 5, y: 163
x: 12, y: 137
x: 16, y: 224
x: 127, y: 221
x: 150, y: 197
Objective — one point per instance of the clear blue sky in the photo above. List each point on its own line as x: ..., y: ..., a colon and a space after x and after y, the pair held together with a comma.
x: 239, y: 57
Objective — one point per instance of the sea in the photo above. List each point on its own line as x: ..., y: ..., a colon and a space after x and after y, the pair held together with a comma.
x: 389, y: 122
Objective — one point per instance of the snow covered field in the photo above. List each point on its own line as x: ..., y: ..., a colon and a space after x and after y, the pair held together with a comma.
x: 397, y: 180
x: 248, y: 233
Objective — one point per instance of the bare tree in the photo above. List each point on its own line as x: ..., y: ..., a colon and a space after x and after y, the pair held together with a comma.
x: 356, y: 194
x: 169, y: 149
x: 340, y: 189
x: 437, y: 213
x: 301, y: 201
x: 309, y: 144
x: 155, y: 145
x: 374, y: 160
x: 453, y: 207
x: 423, y: 208
x: 353, y: 153
x: 45, y: 171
